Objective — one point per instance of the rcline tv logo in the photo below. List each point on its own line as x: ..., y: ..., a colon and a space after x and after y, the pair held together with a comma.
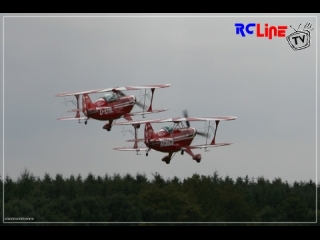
x: 268, y: 32
x: 300, y: 39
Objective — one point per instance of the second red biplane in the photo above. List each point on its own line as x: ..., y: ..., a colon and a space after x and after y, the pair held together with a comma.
x: 172, y: 139
x: 113, y: 105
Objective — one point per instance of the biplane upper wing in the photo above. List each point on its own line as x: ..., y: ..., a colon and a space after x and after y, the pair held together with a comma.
x: 77, y: 93
x: 115, y: 89
x: 128, y: 88
x: 220, y: 118
x: 178, y: 119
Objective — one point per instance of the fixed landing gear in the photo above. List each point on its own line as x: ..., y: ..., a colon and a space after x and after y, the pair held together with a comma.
x: 85, y: 122
x: 182, y: 152
x: 197, y: 157
x: 147, y: 153
x: 166, y: 159
x: 107, y: 127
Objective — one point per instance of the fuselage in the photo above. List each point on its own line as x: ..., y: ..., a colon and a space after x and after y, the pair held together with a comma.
x: 108, y: 108
x: 164, y: 141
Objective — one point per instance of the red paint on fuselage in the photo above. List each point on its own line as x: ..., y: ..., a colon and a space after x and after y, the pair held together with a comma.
x: 102, y: 110
x: 163, y: 141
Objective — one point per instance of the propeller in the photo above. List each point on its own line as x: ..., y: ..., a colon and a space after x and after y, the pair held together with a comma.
x: 185, y: 114
x: 202, y: 134
x: 121, y: 93
x: 137, y: 103
x: 140, y: 105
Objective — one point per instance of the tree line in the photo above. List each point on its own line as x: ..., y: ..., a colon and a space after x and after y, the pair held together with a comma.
x: 135, y: 200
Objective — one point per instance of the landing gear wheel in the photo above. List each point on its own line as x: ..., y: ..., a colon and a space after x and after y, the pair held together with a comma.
x: 107, y: 127
x: 85, y: 122
x: 147, y: 154
x: 166, y: 159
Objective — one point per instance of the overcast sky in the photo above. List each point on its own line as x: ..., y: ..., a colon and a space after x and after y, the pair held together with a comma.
x: 269, y: 87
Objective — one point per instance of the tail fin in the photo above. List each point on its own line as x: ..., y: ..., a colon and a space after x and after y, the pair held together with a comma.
x: 148, y: 133
x: 86, y: 103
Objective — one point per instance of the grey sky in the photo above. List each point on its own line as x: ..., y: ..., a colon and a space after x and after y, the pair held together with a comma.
x: 213, y: 72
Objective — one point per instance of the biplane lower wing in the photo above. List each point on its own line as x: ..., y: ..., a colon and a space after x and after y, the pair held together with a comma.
x: 72, y: 118
x: 136, y: 140
x: 76, y: 110
x: 206, y: 146
x: 143, y: 149
x: 147, y: 112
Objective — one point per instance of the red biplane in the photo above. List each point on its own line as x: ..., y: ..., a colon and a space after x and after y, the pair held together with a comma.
x: 172, y: 139
x: 112, y: 105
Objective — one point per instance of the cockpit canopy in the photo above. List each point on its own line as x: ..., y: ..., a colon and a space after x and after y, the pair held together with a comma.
x: 110, y: 97
x: 168, y: 129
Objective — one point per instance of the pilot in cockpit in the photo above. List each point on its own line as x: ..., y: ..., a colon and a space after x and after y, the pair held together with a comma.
x: 168, y: 129
x: 110, y: 97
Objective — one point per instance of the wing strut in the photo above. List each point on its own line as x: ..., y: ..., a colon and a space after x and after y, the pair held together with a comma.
x: 150, y: 107
x: 135, y: 126
x: 78, y: 113
x: 207, y: 133
x: 215, y: 132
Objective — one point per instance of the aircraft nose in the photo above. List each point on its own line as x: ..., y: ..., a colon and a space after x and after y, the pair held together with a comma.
x: 132, y: 97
